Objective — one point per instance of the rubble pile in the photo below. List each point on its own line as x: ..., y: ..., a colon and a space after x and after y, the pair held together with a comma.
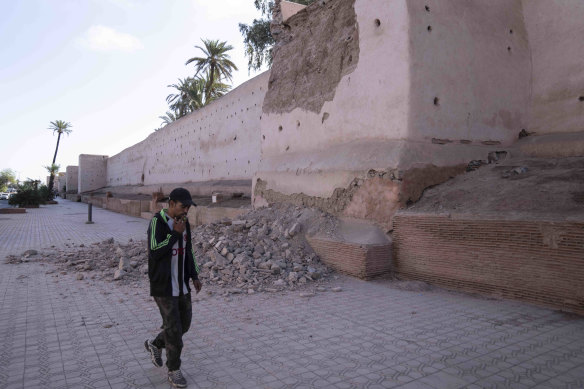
x: 107, y: 260
x: 263, y: 250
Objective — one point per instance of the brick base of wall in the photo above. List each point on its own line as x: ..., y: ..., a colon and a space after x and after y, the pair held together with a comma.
x: 541, y: 262
x: 12, y: 210
x: 358, y: 260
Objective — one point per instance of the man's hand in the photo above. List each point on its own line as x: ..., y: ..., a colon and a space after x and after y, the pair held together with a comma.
x: 197, y: 285
x: 179, y: 225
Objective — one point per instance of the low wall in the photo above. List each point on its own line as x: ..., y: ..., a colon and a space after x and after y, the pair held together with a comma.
x: 358, y: 260
x: 536, y: 261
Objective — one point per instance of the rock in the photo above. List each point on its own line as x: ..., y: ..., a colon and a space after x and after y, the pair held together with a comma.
x: 256, y: 255
x: 30, y: 253
x: 217, y: 258
x: 315, y: 275
x: 297, y: 267
x: 250, y: 291
x: 224, y: 251
x: 240, y: 258
x: 230, y: 257
x: 295, y: 229
x: 124, y: 263
x: 280, y: 282
x: 520, y: 170
x: 337, y: 289
x: 275, y: 269
x: 238, y: 225
x: 133, y: 264
x: 265, y: 265
x: 306, y: 294
x: 119, y: 274
x: 80, y: 276
x: 321, y: 289
x: 293, y: 276
x: 108, y: 241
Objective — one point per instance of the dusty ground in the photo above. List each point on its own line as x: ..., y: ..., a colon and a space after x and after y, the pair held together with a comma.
x: 533, y: 187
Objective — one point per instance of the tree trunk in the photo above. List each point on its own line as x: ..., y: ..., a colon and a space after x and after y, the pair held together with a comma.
x: 209, y: 84
x: 51, y: 182
x: 52, y: 179
x: 57, y: 148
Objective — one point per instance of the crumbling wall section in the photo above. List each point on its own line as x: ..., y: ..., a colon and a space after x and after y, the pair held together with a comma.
x: 315, y: 48
x: 374, y: 195
x: 92, y: 172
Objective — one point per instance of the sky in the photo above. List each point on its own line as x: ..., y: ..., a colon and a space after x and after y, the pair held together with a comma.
x: 103, y: 66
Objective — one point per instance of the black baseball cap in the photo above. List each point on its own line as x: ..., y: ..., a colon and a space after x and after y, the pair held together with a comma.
x: 181, y: 195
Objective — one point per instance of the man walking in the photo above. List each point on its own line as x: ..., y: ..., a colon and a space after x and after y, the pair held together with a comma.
x: 171, y: 263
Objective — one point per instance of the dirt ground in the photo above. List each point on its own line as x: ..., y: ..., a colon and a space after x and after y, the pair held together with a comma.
x: 533, y: 187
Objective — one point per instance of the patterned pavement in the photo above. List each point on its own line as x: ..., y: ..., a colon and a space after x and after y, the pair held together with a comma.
x: 59, y: 332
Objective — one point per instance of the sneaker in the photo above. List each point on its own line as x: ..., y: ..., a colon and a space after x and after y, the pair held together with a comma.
x: 155, y: 353
x: 177, y: 379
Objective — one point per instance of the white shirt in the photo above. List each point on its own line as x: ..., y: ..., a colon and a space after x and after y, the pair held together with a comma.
x: 174, y: 261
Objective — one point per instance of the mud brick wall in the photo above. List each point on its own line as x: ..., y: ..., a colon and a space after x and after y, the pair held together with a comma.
x: 541, y: 262
x: 358, y: 260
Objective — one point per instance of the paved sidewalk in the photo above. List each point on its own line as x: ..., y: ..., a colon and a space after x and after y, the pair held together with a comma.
x: 58, y: 332
x: 65, y: 223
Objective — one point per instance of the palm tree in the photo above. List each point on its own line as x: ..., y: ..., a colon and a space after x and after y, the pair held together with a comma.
x: 59, y: 126
x: 216, y: 62
x: 189, y: 97
x: 169, y: 117
x: 192, y: 94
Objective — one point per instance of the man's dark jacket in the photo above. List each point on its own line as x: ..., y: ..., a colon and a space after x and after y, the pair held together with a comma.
x: 160, y: 241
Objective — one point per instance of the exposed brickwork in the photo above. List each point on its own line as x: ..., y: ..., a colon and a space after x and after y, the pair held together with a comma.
x: 536, y: 261
x: 358, y: 260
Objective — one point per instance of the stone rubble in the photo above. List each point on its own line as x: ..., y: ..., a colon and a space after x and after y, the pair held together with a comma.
x: 264, y: 250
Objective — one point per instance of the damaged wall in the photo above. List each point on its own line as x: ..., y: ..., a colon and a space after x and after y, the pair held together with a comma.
x: 312, y: 145
x: 218, y: 142
x: 316, y: 145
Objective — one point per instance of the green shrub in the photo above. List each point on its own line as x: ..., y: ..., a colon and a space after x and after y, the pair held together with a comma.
x: 26, y: 197
x: 45, y: 194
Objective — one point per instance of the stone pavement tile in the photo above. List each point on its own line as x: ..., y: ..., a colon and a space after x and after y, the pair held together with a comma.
x: 64, y: 223
x: 442, y: 380
x: 365, y: 336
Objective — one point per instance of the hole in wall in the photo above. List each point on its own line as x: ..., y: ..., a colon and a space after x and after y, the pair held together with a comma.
x: 297, y: 123
x: 264, y: 137
x: 429, y: 28
x: 508, y: 48
x: 436, y: 101
x: 511, y: 31
x: 235, y: 137
x: 377, y: 22
x: 581, y: 98
x: 287, y: 148
x: 427, y: 8
x: 280, y: 128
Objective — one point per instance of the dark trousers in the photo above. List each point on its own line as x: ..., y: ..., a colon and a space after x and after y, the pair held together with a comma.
x: 176, y: 315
